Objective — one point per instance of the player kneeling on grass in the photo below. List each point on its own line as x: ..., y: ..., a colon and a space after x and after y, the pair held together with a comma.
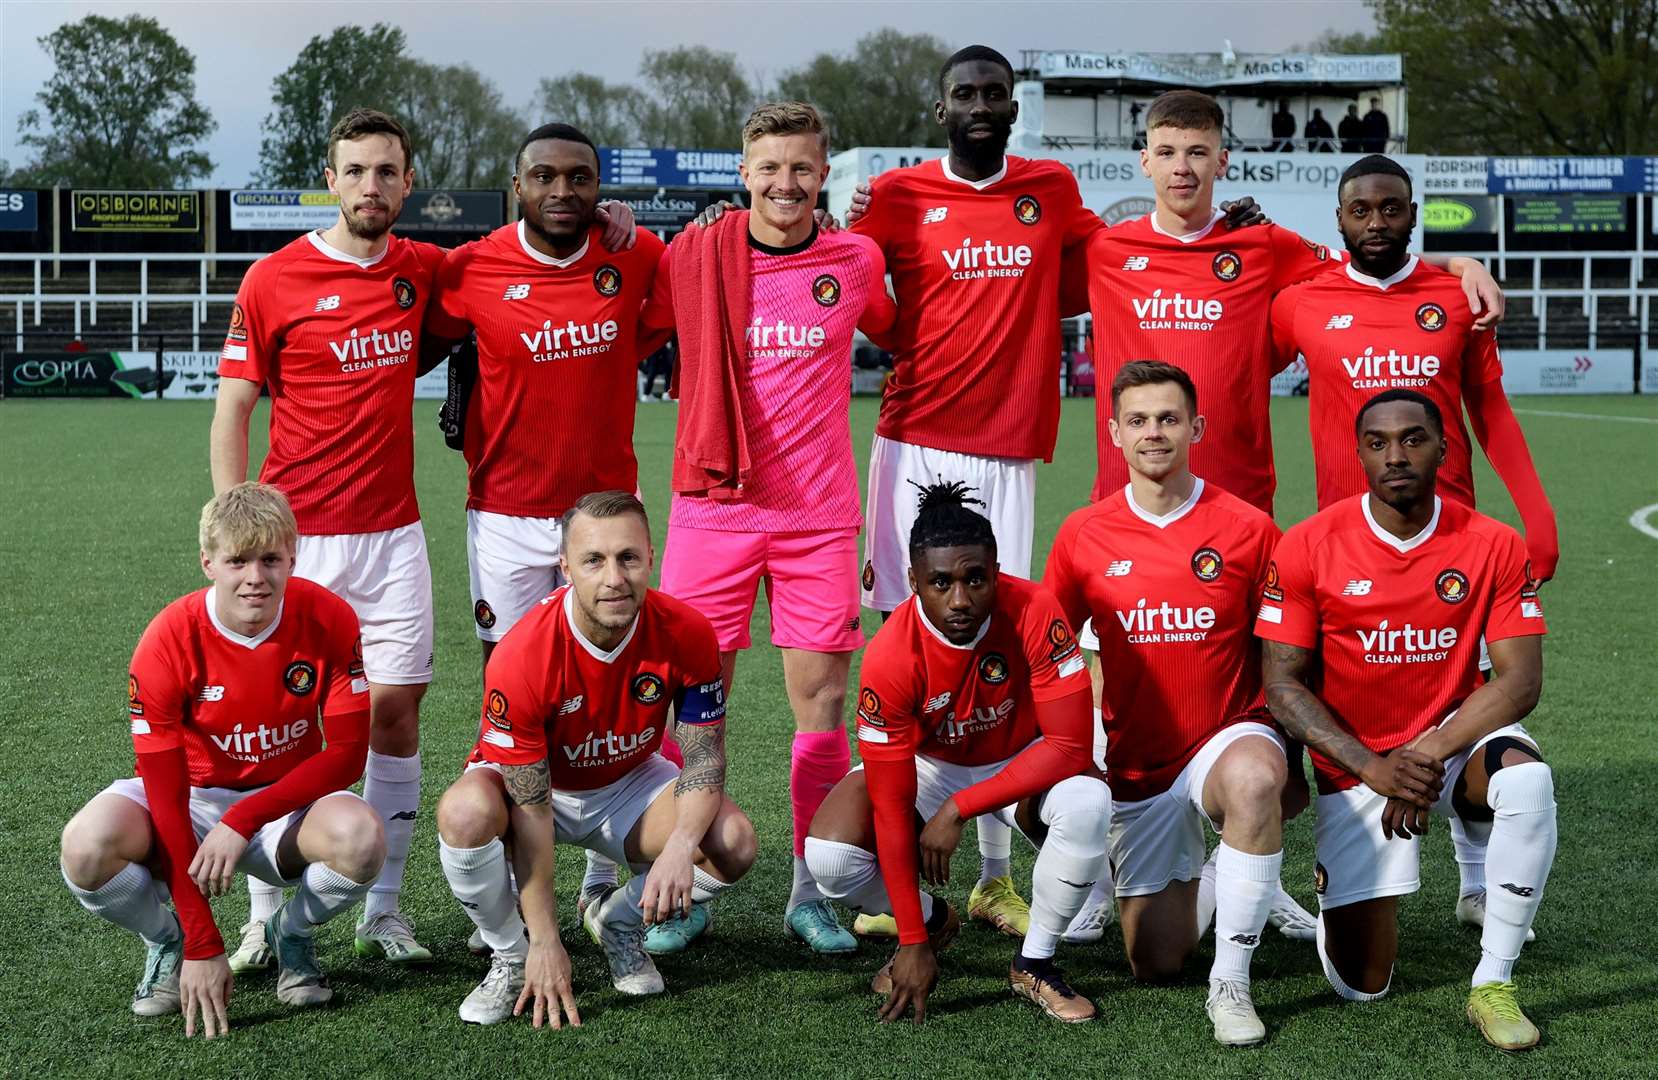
x: 1385, y: 595
x: 974, y: 699
x: 577, y: 697
x: 232, y: 691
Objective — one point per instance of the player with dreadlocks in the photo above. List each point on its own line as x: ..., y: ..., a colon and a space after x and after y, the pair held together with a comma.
x: 974, y: 698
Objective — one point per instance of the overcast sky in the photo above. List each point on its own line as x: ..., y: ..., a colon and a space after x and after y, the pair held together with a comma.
x: 240, y: 46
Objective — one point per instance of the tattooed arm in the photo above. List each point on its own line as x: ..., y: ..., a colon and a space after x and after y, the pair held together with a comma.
x: 1401, y: 773
x: 698, y: 793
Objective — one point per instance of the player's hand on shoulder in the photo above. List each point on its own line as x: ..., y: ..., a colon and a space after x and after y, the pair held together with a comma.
x: 1485, y: 296
x: 825, y: 221
x: 549, y: 990
x: 713, y: 212
x: 914, y: 974
x: 1243, y: 213
x: 620, y: 231
x: 861, y: 197
x: 938, y: 841
x: 204, y: 991
x: 214, y: 867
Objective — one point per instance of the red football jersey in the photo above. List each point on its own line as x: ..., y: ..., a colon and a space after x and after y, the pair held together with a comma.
x: 551, y: 416
x: 246, y: 710
x: 551, y: 694
x: 336, y: 340
x: 1173, y: 601
x: 1199, y: 301
x: 1361, y: 336
x: 966, y: 704
x: 975, y: 269
x: 1396, y: 623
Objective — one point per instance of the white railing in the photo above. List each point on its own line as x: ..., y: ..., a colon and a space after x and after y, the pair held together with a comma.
x: 138, y: 306
x: 1632, y: 260
x: 143, y: 259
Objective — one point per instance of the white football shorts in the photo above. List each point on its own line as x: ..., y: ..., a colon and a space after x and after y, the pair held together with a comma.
x: 600, y: 819
x: 513, y: 562
x: 386, y: 579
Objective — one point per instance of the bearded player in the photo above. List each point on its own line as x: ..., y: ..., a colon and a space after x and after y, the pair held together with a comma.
x: 330, y: 325
x: 1386, y: 596
x: 765, y: 486
x: 232, y: 692
x: 1169, y: 568
x: 577, y: 699
x: 974, y: 698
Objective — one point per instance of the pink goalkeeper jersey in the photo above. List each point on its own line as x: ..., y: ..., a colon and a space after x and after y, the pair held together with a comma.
x: 804, y: 304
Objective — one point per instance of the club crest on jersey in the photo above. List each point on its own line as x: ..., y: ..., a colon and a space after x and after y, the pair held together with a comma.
x: 495, y: 708
x: 1027, y: 210
x: 300, y: 678
x: 607, y: 280
x: 1227, y: 266
x: 238, y: 324
x: 869, y: 575
x: 1206, y: 563
x: 483, y: 614
x: 993, y: 669
x: 869, y: 708
x: 647, y: 689
x: 404, y: 291
x: 1430, y: 317
x: 826, y: 290
x: 1451, y: 586
x: 1271, y: 591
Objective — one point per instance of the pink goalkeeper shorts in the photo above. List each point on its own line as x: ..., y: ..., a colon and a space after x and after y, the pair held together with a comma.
x: 811, y: 583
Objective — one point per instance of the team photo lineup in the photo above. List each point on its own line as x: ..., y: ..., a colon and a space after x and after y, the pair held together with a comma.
x: 1145, y: 715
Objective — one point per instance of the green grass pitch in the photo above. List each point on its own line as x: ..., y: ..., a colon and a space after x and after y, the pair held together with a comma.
x: 98, y: 507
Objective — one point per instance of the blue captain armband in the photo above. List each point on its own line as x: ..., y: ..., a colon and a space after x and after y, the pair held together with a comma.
x: 701, y: 703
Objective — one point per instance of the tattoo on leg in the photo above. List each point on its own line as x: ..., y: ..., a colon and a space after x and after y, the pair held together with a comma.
x: 528, y: 785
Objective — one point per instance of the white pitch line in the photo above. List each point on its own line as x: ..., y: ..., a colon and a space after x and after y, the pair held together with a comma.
x: 1587, y: 416
x: 1639, y: 520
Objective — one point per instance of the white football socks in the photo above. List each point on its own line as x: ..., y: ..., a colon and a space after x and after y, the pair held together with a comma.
x: 995, y: 847
x: 263, y: 900
x: 131, y: 900
x: 1244, y: 888
x: 851, y: 875
x: 1517, y: 863
x: 601, y: 873
x: 804, y: 889
x: 1077, y: 812
x: 392, y: 786
x: 322, y: 894
x: 1206, y: 895
x: 1470, y: 842
x: 478, y: 878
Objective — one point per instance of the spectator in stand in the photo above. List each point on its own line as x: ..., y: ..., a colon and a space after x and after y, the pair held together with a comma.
x: 1375, y: 128
x: 1318, y: 133
x: 1283, y: 128
x: 1352, y: 131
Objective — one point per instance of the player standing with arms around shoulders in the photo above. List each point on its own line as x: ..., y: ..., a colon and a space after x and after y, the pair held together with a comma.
x: 1386, y: 596
x: 330, y: 325
x: 232, y: 691
x: 577, y: 699
x: 974, y: 700
x: 1170, y: 568
x: 765, y: 484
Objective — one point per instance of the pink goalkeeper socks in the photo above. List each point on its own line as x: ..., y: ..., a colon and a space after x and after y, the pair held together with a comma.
x: 817, y: 762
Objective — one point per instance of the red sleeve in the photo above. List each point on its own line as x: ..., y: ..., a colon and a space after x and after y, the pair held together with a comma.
x: 1515, y: 608
x: 1294, y: 259
x: 167, y: 789
x: 658, y: 312
x: 880, y: 312
x: 1081, y: 223
x: 700, y: 698
x: 1059, y: 579
x: 1289, y: 606
x: 344, y: 712
x: 1064, y: 750
x: 648, y: 251
x: 1499, y: 434
x: 512, y: 730
x: 1073, y: 279
x: 1057, y: 667
x: 887, y: 738
x: 446, y: 312
x: 1284, y: 346
x: 252, y: 340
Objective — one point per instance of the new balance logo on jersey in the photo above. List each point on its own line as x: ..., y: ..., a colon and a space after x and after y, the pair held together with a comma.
x: 936, y: 703
x: 1154, y: 625
x: 261, y: 742
x: 211, y: 693
x: 1137, y: 262
x: 516, y: 292
x: 1356, y: 587
x: 603, y: 749
x: 1177, y: 312
x: 1119, y: 568
x: 1375, y: 370
x: 1339, y: 322
x: 987, y: 260
x: 569, y: 705
x: 934, y: 215
x: 327, y: 303
x: 360, y: 351
x: 1406, y: 645
x: 572, y: 339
